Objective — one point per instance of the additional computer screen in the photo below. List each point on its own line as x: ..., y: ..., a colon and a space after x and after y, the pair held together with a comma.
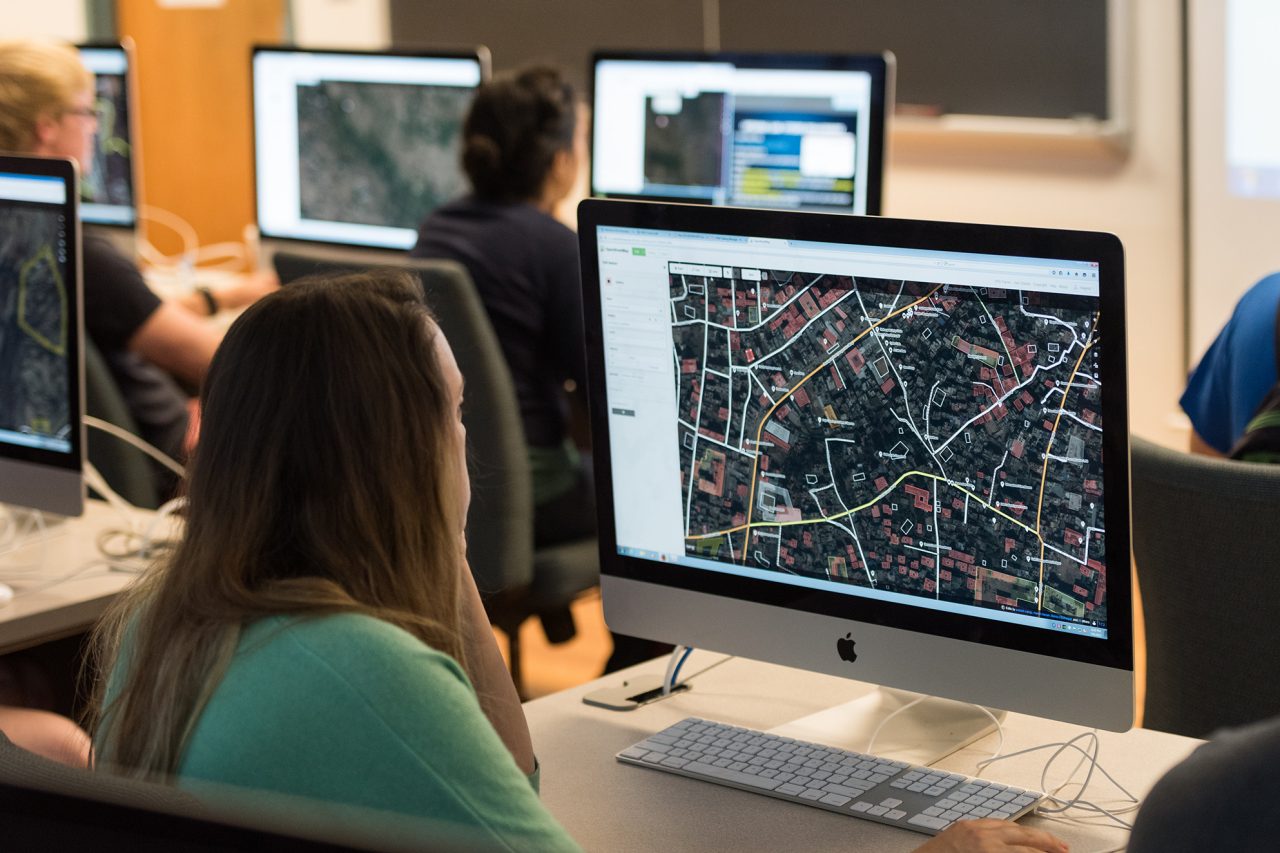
x: 107, y: 184
x: 39, y: 334
x: 357, y: 148
x: 903, y: 424
x: 801, y: 132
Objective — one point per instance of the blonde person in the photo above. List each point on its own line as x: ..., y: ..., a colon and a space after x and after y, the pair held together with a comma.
x: 47, y: 108
x: 317, y: 631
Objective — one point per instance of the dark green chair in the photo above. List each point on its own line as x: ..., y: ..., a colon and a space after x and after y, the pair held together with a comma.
x: 1207, y: 560
x: 126, y: 469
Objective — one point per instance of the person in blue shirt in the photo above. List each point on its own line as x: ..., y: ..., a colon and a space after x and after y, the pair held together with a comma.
x: 1236, y: 372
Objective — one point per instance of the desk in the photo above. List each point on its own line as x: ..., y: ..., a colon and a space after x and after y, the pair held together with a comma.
x: 608, y: 806
x: 62, y: 584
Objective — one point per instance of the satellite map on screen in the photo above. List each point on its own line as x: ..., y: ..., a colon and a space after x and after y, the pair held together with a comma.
x: 933, y: 440
x: 109, y: 180
x: 379, y: 153
x: 684, y: 139
x: 34, y: 317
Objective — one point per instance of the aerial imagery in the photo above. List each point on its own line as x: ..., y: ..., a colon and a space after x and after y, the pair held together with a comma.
x: 34, y: 318
x: 933, y: 440
x: 378, y: 153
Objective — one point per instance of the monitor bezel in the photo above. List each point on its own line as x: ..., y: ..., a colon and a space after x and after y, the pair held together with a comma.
x: 478, y: 52
x: 64, y: 496
x: 126, y: 46
x: 881, y: 67
x: 1116, y: 650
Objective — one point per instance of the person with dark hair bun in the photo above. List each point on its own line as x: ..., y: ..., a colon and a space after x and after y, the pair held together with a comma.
x: 523, y: 143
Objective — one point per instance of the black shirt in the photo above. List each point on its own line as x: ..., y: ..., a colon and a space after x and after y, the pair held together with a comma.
x: 1221, y: 798
x: 117, y: 302
x: 525, y: 267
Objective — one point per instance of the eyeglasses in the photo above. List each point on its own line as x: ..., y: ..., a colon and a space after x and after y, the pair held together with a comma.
x: 84, y: 112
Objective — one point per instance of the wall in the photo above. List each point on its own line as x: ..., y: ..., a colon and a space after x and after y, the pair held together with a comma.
x: 1139, y: 199
x: 351, y: 24
x: 63, y: 19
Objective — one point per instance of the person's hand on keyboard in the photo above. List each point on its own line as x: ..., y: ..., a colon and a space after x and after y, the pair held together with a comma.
x: 993, y: 836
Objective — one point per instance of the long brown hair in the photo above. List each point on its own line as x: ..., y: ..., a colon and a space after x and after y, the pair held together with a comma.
x: 327, y: 480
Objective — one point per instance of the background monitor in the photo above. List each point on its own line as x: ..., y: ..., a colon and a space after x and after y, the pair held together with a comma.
x: 791, y: 131
x: 41, y: 441
x: 885, y: 449
x: 108, y: 187
x: 356, y: 148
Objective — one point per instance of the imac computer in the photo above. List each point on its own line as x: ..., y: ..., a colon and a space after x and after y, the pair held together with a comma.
x: 890, y: 450
x: 41, y: 441
x: 108, y: 189
x: 356, y: 148
x: 796, y: 131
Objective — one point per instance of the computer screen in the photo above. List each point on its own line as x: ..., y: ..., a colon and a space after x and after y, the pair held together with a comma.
x: 107, y: 189
x: 40, y: 361
x: 911, y: 436
x: 356, y: 148
x: 789, y: 131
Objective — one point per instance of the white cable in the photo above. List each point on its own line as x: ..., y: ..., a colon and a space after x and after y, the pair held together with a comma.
x: 1061, y: 805
x: 871, y: 742
x: 96, y: 481
x: 132, y: 440
x: 671, y: 668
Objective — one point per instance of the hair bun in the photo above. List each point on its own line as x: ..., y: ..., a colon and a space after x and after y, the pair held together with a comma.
x: 482, y: 157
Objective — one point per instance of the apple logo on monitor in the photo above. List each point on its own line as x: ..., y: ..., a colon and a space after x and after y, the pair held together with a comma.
x: 844, y: 646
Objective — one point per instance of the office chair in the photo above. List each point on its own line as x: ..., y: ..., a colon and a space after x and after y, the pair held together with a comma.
x: 1207, y: 559
x: 124, y: 468
x: 49, y: 806
x: 514, y: 581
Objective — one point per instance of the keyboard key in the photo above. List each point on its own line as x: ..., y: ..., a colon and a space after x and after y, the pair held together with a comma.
x: 672, y: 761
x: 731, y: 775
x: 834, y: 800
x: 812, y: 794
x: 634, y: 752
x: 842, y: 790
x: 879, y: 777
x: 936, y: 790
x: 860, y: 807
x: 792, y: 790
x: 947, y: 803
x: 929, y: 821
x: 933, y: 811
x: 895, y: 814
x: 891, y: 803
x: 980, y: 812
x: 877, y: 810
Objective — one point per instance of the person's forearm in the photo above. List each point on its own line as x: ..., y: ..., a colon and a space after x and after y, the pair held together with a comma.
x: 498, y: 697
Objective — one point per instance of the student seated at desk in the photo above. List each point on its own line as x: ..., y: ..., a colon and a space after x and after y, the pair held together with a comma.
x: 317, y: 631
x: 47, y: 109
x: 1235, y: 374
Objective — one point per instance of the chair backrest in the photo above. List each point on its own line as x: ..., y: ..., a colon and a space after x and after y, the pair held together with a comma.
x: 500, y: 522
x: 49, y: 806
x: 1208, y: 562
x: 124, y: 468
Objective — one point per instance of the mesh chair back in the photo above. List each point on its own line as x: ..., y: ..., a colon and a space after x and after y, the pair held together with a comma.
x: 124, y: 468
x: 1208, y: 562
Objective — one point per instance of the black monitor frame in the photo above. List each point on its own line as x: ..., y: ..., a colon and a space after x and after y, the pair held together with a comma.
x: 71, y: 462
x: 479, y: 53
x: 134, y: 126
x: 1116, y: 651
x: 880, y: 66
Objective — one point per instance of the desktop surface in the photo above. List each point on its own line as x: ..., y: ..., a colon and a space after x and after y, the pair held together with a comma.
x: 606, y: 805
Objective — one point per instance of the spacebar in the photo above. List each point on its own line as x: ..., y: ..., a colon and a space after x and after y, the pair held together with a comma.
x: 730, y: 775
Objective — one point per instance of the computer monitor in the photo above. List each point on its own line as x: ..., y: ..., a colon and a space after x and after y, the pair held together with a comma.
x: 794, y: 131
x: 890, y: 450
x: 41, y: 441
x: 356, y: 148
x: 108, y: 189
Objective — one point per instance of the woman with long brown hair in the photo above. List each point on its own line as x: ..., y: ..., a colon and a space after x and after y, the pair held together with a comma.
x: 317, y: 631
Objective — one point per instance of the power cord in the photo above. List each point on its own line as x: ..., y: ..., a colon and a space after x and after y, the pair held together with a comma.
x: 1061, y: 805
x: 136, y: 442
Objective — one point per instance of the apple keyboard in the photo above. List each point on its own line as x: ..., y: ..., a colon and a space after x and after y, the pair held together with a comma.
x: 917, y: 798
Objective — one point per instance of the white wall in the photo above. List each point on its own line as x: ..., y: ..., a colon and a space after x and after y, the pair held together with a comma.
x: 64, y: 19
x: 1137, y: 198
x: 353, y: 24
